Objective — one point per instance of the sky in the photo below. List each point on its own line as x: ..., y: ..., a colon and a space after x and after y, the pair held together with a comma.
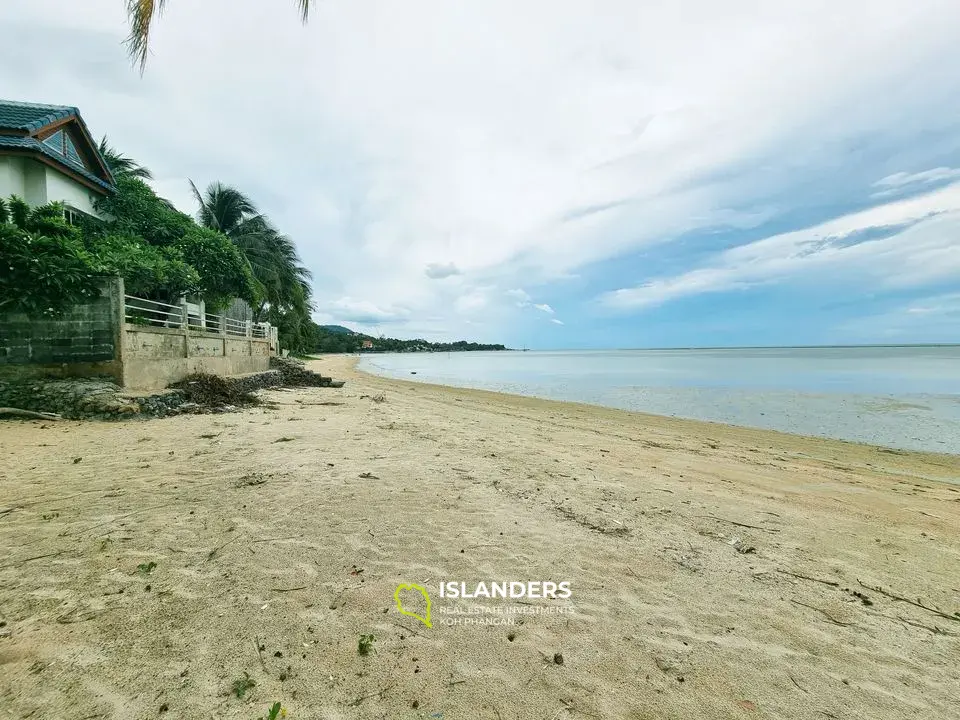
x: 563, y: 174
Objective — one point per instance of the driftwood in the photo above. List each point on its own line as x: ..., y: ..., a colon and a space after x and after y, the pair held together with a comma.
x: 29, y: 414
x: 916, y: 603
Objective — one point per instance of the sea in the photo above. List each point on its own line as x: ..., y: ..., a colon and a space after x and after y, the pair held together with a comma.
x: 905, y: 397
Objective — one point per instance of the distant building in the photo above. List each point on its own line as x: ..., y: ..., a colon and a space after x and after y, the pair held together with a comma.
x: 367, y: 345
x: 47, y: 154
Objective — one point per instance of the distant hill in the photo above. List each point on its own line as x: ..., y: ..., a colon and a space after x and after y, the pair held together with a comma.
x: 338, y: 339
x: 338, y: 330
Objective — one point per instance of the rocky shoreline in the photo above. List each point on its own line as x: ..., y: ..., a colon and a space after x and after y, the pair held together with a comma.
x: 100, y: 399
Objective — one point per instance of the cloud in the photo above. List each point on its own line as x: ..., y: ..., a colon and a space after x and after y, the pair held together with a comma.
x: 544, y: 308
x: 901, y: 244
x: 521, y: 298
x: 923, y: 319
x: 902, y: 182
x: 520, y: 144
x: 556, y: 322
x: 438, y: 271
x: 363, y: 311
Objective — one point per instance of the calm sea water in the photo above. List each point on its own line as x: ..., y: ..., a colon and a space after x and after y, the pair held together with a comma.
x: 902, y: 397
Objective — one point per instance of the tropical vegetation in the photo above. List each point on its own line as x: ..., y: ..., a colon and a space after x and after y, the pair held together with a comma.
x: 230, y: 251
x: 337, y: 339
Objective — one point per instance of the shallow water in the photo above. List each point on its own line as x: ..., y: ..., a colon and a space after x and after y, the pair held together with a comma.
x: 902, y: 397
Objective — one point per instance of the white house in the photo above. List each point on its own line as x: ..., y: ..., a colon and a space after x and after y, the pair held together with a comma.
x: 47, y: 154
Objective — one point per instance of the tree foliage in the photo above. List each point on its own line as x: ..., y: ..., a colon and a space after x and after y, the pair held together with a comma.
x: 319, y: 339
x: 136, y: 210
x: 120, y: 165
x: 234, y: 251
x: 224, y: 272
x: 44, y: 266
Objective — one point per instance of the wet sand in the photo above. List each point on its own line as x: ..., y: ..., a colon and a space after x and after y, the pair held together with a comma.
x: 715, y: 571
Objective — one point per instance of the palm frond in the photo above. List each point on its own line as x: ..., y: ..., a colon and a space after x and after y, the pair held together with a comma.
x: 304, y: 9
x: 141, y: 14
x: 120, y: 165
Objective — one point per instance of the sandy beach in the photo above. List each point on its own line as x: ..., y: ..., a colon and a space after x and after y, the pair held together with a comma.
x: 162, y: 568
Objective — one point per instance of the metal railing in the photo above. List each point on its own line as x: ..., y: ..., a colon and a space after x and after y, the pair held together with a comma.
x: 140, y: 311
x: 192, y: 317
x: 235, y: 327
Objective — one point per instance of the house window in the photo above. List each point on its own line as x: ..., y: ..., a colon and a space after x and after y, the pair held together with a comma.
x: 55, y: 142
x: 62, y: 144
x: 76, y: 217
x: 72, y: 150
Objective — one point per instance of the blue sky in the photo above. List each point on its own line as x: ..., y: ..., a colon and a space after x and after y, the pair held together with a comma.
x: 557, y: 174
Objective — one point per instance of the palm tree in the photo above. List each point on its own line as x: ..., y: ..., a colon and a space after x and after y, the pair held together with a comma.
x: 141, y: 14
x: 272, y: 256
x: 120, y: 165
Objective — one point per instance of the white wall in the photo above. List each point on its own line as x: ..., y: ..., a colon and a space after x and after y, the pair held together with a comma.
x: 64, y: 189
x: 11, y: 176
x: 39, y: 184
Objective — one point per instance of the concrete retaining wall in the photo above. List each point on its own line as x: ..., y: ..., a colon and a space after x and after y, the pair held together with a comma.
x: 84, y: 341
x: 154, y: 357
x: 93, y: 340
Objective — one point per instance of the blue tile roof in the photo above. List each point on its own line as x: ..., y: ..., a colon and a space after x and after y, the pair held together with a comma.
x: 32, y: 144
x: 32, y: 117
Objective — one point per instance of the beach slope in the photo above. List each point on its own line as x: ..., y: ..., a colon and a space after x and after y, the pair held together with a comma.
x: 164, y: 568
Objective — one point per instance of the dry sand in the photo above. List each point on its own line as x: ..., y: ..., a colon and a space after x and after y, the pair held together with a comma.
x: 290, y: 527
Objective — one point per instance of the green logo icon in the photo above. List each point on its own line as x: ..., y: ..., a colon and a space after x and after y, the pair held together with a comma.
x: 425, y: 619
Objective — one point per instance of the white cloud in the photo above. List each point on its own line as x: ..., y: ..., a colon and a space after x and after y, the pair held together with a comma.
x: 517, y: 142
x: 917, y: 244
x: 543, y: 307
x: 926, y: 319
x: 901, y: 181
x: 363, y: 311
x: 556, y: 322
x: 439, y: 271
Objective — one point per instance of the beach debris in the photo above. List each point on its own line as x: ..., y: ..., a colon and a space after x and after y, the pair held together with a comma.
x: 827, y: 615
x: 260, y: 648
x: 213, y: 553
x: 830, y: 583
x: 252, y: 479
x: 741, y: 547
x: 916, y: 603
x: 749, y: 704
x: 284, y: 439
x: 558, y: 658
x: 17, y: 412
x: 213, y: 392
x: 739, y: 524
x: 934, y: 628
x: 368, y: 476
x: 569, y: 514
x: 378, y: 398
x: 378, y: 693
x: 294, y: 373
x: 146, y: 568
